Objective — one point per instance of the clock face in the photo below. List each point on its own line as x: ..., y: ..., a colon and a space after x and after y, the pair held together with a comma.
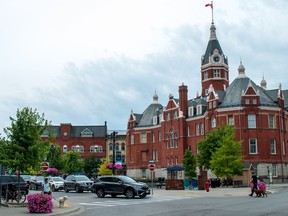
x: 216, y: 58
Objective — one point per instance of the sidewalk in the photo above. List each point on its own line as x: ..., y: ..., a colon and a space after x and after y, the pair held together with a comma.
x: 23, y: 210
x: 69, y: 209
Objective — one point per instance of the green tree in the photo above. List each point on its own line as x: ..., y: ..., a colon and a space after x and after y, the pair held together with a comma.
x: 73, y: 162
x: 55, y: 157
x: 92, y: 165
x: 189, y: 163
x: 226, y: 161
x: 103, y: 170
x: 24, y: 147
x: 211, y: 143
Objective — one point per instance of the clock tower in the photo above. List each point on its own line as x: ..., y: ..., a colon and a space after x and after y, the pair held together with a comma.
x: 214, y: 65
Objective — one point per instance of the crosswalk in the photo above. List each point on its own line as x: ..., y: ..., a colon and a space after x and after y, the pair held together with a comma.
x: 125, y: 202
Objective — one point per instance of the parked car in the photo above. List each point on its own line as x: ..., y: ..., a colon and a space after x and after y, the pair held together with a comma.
x: 120, y: 185
x: 57, y: 183
x: 36, y: 182
x: 12, y: 181
x: 26, y: 178
x: 78, y: 183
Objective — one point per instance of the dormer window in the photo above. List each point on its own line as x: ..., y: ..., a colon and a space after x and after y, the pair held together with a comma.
x: 191, y: 111
x: 86, y: 133
x: 199, y: 109
x: 45, y: 133
x: 155, y: 120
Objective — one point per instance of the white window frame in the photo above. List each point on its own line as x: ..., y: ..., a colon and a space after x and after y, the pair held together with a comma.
x: 255, y: 151
x: 197, y: 129
x: 143, y: 137
x: 230, y: 119
x: 272, y: 146
x: 251, y: 121
x: 205, y: 75
x: 202, y: 129
x: 216, y: 73
x: 199, y: 109
x: 213, y: 122
x: 65, y: 149
x: 271, y: 121
x: 132, y: 138
x: 191, y: 111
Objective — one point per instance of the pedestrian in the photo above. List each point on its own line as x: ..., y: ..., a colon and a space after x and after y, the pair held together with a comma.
x: 207, y: 185
x: 47, y: 187
x: 254, y: 181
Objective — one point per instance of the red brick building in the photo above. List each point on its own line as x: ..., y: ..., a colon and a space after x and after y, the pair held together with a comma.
x: 259, y: 116
x: 87, y: 140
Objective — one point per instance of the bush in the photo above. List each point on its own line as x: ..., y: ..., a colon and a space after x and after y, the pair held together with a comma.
x: 40, y: 203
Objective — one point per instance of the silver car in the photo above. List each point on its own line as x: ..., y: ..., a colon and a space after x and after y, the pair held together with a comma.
x: 57, y: 183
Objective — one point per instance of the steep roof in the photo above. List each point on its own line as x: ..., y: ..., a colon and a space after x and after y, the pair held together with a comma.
x: 147, y: 116
x: 212, y: 45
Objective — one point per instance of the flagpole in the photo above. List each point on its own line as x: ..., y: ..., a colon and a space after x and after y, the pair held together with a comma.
x: 212, y: 11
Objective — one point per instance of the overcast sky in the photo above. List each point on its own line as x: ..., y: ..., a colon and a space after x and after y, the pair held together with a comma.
x: 86, y: 62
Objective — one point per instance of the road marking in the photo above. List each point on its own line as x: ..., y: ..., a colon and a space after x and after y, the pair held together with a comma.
x: 112, y: 203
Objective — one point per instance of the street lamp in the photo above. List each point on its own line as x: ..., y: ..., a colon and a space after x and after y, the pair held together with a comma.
x: 113, y: 153
x: 52, y: 147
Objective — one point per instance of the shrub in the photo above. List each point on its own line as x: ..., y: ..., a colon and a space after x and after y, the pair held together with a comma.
x: 40, y: 203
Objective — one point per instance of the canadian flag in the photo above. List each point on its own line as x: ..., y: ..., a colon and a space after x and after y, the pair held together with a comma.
x: 207, y: 5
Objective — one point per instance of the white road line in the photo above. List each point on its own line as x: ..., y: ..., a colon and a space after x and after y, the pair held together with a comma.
x: 112, y: 203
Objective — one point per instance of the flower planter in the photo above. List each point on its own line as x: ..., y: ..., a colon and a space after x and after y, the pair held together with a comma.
x: 40, y: 203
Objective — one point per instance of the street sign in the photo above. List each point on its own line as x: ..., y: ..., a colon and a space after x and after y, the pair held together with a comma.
x: 151, y: 167
x: 45, y: 166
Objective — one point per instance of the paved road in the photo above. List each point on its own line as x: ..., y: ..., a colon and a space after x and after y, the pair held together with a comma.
x: 218, y: 202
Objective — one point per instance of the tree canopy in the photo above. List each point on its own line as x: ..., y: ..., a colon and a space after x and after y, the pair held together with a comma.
x: 73, y: 162
x: 23, y: 147
x: 189, y: 163
x: 220, y: 152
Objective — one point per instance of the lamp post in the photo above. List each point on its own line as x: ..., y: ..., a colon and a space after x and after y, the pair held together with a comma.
x: 113, y: 153
x: 52, y: 147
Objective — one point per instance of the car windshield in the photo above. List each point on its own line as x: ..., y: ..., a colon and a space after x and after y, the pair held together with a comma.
x: 58, y: 179
x: 26, y: 177
x: 39, y: 178
x: 128, y: 179
x: 82, y: 178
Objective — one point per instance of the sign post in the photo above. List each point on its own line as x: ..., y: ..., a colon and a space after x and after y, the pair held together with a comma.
x: 151, y: 167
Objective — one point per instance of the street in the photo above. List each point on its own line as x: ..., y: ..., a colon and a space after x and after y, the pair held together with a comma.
x: 177, y: 204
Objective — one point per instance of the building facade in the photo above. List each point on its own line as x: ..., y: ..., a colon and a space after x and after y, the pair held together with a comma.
x: 87, y: 140
x: 259, y: 116
x: 119, y: 148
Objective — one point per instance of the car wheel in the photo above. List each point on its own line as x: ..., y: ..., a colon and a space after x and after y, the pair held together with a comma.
x: 129, y: 193
x: 114, y: 195
x: 77, y: 189
x: 100, y: 193
x: 66, y: 189
x: 142, y: 196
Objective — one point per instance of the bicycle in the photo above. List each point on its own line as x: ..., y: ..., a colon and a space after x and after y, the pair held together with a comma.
x: 13, y: 194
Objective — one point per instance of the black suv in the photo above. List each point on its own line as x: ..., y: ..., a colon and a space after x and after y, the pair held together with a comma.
x: 36, y: 182
x: 79, y: 183
x: 12, y: 181
x: 120, y: 185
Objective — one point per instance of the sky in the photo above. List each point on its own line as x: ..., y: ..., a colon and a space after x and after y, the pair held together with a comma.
x: 85, y: 62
